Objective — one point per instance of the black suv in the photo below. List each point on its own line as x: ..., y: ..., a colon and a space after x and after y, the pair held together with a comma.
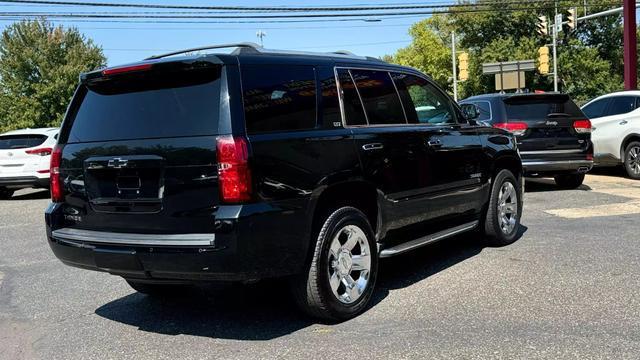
x: 257, y: 164
x: 554, y: 135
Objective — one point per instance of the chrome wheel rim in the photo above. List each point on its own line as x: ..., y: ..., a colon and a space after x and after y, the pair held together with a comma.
x: 349, y: 264
x: 507, y: 207
x: 633, y: 160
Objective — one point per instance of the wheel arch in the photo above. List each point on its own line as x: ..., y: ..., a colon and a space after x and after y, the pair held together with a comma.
x: 357, y: 193
x: 625, y: 142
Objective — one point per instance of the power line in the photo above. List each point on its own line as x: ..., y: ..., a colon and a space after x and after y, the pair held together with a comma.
x: 276, y: 8
x: 270, y: 16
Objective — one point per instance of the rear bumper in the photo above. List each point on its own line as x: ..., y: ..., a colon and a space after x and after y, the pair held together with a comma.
x: 550, y: 162
x: 556, y: 166
x: 24, y: 182
x: 254, y: 241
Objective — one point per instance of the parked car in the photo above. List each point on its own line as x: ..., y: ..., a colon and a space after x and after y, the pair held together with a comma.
x: 616, y: 130
x: 552, y: 132
x: 260, y: 163
x: 24, y: 159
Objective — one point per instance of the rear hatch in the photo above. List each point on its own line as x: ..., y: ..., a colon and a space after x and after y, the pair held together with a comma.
x: 139, y: 150
x: 15, y: 156
x: 551, y: 122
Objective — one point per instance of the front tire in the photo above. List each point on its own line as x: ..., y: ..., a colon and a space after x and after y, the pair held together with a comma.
x: 569, y: 181
x: 339, y: 281
x: 5, y: 194
x: 502, y: 220
x: 632, y: 160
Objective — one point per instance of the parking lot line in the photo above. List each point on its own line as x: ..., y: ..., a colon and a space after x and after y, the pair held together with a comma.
x: 632, y: 207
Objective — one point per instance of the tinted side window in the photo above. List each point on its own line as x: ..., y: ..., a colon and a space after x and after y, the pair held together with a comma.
x: 427, y: 104
x: 381, y: 101
x: 278, y: 98
x: 596, y: 109
x: 353, y: 111
x: 485, y: 110
x: 621, y: 105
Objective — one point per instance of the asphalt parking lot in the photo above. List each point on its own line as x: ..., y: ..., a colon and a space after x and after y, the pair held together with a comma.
x: 568, y: 288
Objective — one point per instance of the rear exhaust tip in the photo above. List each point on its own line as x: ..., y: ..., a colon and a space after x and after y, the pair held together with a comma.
x: 583, y: 169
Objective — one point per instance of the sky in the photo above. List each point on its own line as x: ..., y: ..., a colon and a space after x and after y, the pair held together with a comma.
x: 128, y: 42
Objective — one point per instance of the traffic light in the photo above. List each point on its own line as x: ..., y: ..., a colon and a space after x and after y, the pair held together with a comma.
x: 572, y: 19
x: 463, y: 64
x: 542, y: 26
x: 543, y: 60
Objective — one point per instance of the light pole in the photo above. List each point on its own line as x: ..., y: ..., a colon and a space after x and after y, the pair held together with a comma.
x: 453, y: 62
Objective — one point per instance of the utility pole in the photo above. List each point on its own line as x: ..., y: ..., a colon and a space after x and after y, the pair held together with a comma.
x: 453, y: 61
x: 630, y: 45
x: 555, y: 54
x: 261, y: 34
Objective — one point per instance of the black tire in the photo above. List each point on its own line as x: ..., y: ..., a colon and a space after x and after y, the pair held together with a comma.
x: 569, y: 181
x: 495, y: 236
x: 5, y: 194
x: 632, y: 160
x: 159, y: 290
x: 312, y: 290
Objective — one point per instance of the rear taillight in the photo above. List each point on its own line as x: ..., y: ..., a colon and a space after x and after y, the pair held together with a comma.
x: 516, y: 128
x: 40, y: 151
x: 55, y: 182
x: 234, y: 174
x: 582, y: 126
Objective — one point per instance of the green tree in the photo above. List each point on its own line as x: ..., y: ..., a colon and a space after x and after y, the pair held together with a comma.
x: 429, y: 52
x: 589, y: 58
x: 39, y: 68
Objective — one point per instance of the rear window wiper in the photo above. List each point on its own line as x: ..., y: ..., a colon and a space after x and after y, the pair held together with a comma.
x: 558, y: 114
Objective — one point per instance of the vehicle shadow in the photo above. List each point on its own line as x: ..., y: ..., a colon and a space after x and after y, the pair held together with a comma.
x: 266, y: 310
x: 534, y: 185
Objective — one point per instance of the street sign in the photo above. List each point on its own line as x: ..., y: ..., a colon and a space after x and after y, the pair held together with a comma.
x: 508, y: 66
x: 558, y: 23
x: 510, y: 80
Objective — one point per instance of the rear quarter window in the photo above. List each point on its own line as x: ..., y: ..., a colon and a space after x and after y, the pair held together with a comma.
x: 278, y: 98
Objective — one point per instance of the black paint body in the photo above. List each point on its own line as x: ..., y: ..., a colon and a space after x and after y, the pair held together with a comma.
x: 414, y: 186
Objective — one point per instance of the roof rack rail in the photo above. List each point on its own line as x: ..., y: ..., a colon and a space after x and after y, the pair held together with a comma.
x: 248, y: 45
x: 255, y: 48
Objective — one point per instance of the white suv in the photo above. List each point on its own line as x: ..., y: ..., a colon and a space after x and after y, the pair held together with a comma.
x: 24, y: 159
x: 616, y: 130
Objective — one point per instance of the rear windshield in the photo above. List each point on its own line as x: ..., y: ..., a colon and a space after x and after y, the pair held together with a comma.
x: 20, y: 141
x: 541, y: 107
x: 150, y: 105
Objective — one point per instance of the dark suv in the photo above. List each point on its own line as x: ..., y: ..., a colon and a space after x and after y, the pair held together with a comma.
x: 257, y: 164
x: 554, y: 135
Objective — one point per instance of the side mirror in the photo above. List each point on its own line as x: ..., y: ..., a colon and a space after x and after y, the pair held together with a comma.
x: 470, y: 111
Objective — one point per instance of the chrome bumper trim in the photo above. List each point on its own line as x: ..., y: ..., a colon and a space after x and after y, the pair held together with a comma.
x: 102, y: 237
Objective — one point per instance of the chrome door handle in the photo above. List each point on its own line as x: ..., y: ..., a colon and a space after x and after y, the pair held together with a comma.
x: 434, y: 143
x: 623, y: 122
x: 373, y: 146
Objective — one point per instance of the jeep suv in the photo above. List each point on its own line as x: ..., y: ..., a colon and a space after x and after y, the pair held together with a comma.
x: 259, y: 163
x: 554, y: 135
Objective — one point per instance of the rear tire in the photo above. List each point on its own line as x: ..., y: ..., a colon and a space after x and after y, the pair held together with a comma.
x: 632, y: 160
x: 339, y: 281
x: 502, y: 220
x: 5, y: 194
x: 158, y: 290
x: 569, y: 181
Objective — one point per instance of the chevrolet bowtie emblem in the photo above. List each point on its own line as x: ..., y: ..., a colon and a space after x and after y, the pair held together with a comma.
x: 117, y: 163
